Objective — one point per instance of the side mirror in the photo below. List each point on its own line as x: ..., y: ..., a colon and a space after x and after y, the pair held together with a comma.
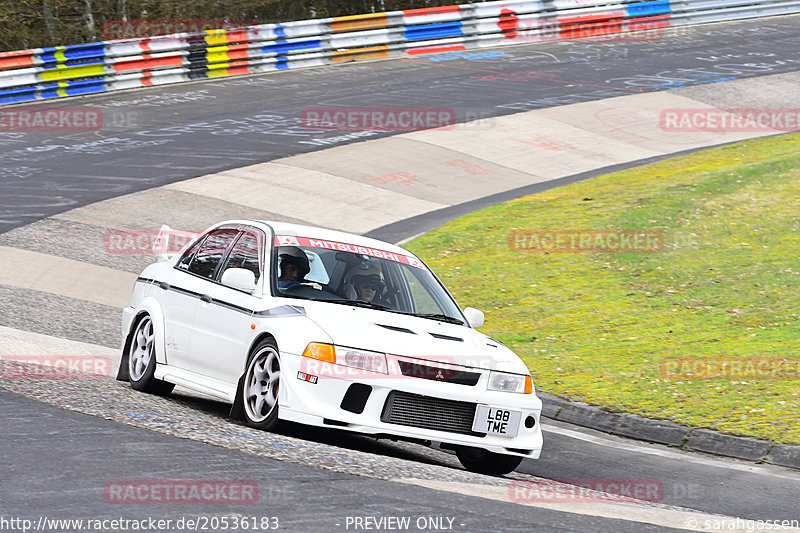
x: 474, y: 317
x: 240, y: 279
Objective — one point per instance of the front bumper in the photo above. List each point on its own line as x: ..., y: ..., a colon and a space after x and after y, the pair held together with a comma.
x: 317, y: 394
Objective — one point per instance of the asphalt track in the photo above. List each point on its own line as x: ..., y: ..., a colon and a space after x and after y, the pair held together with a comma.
x: 58, y: 466
x: 303, y: 498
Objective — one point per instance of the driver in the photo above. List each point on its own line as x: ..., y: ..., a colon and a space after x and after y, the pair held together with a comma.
x: 294, y: 267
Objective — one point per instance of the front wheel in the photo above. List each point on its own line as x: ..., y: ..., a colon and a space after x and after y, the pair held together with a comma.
x: 142, y: 360
x: 260, y: 389
x: 485, y: 462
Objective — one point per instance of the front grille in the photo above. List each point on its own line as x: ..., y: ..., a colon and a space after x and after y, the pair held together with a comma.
x: 439, y: 374
x: 427, y: 412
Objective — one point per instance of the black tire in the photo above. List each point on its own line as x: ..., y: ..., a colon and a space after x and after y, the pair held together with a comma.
x: 142, y: 359
x: 485, y: 462
x: 259, y: 392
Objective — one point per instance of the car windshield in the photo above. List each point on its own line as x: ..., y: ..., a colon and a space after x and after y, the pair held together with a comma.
x: 347, y: 274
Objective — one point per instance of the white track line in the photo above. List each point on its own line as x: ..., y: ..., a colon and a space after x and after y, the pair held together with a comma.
x: 677, y: 518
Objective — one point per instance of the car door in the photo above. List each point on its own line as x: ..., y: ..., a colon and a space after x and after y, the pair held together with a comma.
x: 222, y: 327
x: 182, y: 290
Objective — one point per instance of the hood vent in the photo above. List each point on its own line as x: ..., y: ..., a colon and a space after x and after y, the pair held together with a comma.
x: 446, y: 337
x: 396, y: 328
x: 493, y: 340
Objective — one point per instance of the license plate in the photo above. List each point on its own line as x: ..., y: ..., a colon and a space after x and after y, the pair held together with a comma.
x: 496, y: 421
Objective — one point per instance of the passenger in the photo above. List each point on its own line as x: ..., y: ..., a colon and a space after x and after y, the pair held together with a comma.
x: 368, y: 283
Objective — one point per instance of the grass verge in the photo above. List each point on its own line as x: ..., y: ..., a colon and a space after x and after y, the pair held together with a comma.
x: 722, y: 295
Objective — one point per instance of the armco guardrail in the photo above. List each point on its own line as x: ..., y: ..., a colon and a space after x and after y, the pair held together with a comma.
x: 45, y: 73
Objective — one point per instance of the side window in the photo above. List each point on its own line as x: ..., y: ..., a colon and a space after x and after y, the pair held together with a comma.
x: 318, y: 272
x: 208, y: 256
x: 422, y: 300
x: 245, y: 254
x: 186, y: 260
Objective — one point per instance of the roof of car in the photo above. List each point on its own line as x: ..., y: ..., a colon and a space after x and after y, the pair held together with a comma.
x: 299, y: 230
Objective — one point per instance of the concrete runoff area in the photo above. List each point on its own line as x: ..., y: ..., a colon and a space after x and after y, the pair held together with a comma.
x: 308, y: 195
x: 58, y: 275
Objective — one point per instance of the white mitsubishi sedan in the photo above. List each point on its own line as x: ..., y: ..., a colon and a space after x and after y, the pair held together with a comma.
x: 289, y: 322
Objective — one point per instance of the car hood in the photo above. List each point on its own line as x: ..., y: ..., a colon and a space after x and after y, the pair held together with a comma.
x: 410, y: 336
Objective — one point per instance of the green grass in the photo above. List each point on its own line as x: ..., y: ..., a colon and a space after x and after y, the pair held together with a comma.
x: 595, y: 326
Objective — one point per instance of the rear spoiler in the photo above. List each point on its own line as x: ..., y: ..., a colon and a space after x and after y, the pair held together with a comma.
x: 161, y: 244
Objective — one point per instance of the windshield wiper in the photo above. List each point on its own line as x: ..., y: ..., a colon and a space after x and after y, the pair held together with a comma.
x: 443, y: 318
x: 362, y: 303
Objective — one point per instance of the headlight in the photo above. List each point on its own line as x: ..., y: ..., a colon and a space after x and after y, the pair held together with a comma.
x: 500, y: 381
x: 363, y: 359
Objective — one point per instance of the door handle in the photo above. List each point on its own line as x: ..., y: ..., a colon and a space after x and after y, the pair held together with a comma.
x: 206, y: 298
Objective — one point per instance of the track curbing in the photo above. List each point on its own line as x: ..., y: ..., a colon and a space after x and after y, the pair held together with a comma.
x: 669, y: 433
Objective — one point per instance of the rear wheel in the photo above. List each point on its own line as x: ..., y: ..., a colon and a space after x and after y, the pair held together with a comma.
x: 142, y: 359
x: 485, y: 462
x: 261, y: 383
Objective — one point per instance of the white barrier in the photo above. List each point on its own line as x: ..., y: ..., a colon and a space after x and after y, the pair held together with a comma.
x: 45, y: 73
